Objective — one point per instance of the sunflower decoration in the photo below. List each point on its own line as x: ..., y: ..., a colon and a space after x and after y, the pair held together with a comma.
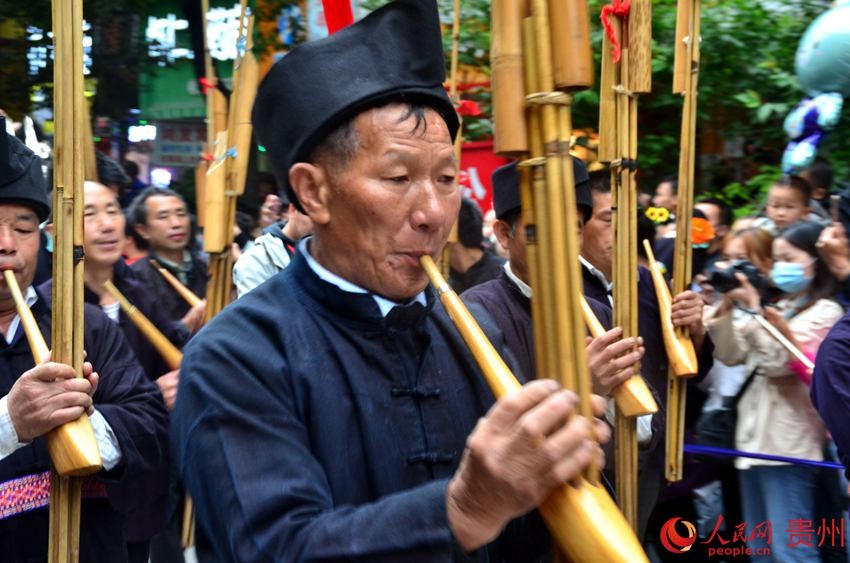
x: 659, y: 215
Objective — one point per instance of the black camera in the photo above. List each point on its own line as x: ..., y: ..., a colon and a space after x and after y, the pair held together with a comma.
x: 722, y: 276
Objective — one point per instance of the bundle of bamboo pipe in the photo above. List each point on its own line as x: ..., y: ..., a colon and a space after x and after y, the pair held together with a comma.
x: 685, y: 82
x: 226, y: 176
x: 72, y: 446
x: 622, y: 82
x: 542, y: 134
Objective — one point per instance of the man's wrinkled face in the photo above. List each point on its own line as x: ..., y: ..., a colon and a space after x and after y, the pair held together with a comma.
x: 394, y: 201
x: 104, y: 225
x: 19, y: 242
x: 598, y: 239
x: 167, y: 225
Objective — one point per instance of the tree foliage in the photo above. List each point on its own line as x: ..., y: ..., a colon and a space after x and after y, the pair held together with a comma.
x: 746, y: 87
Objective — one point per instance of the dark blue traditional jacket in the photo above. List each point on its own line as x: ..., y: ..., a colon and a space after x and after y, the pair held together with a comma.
x: 830, y: 390
x: 510, y: 310
x: 166, y: 297
x: 133, y: 407
x: 310, y: 428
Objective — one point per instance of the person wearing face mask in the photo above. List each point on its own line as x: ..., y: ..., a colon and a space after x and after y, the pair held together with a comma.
x: 775, y: 415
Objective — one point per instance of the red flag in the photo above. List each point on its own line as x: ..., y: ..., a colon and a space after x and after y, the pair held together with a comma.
x: 337, y: 14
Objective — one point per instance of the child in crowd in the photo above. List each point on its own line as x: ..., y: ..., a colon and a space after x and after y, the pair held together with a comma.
x: 788, y: 202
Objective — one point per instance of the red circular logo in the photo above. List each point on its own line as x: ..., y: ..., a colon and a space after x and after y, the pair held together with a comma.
x: 672, y: 541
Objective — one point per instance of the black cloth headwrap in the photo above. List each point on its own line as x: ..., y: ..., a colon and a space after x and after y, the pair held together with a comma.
x: 21, y: 179
x: 396, y: 52
x: 505, y: 180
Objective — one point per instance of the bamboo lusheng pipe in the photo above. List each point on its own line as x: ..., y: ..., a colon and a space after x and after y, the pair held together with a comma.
x: 72, y: 447
x: 186, y: 293
x: 561, y: 250
x: 636, y: 396
x: 620, y: 84
x: 624, y: 268
x: 680, y: 350
x: 90, y: 162
x: 686, y: 77
x: 640, y: 47
x: 169, y: 352
x: 221, y: 187
x: 560, y: 255
x: 582, y: 518
x: 537, y: 228
x: 506, y: 62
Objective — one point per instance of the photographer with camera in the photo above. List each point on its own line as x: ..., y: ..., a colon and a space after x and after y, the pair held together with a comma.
x: 775, y: 415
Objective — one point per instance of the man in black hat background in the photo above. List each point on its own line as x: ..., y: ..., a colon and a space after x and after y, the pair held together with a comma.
x: 471, y: 264
x: 508, y: 298
x: 333, y: 413
x: 125, y: 409
x: 508, y: 301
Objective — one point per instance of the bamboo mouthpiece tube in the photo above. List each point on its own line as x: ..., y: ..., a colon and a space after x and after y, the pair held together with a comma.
x: 167, y: 350
x: 680, y: 349
x: 178, y: 286
x: 633, y: 396
x: 38, y: 346
x: 583, y: 519
x: 72, y: 446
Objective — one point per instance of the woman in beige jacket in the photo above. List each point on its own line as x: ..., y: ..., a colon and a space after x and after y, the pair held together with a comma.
x: 775, y: 415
